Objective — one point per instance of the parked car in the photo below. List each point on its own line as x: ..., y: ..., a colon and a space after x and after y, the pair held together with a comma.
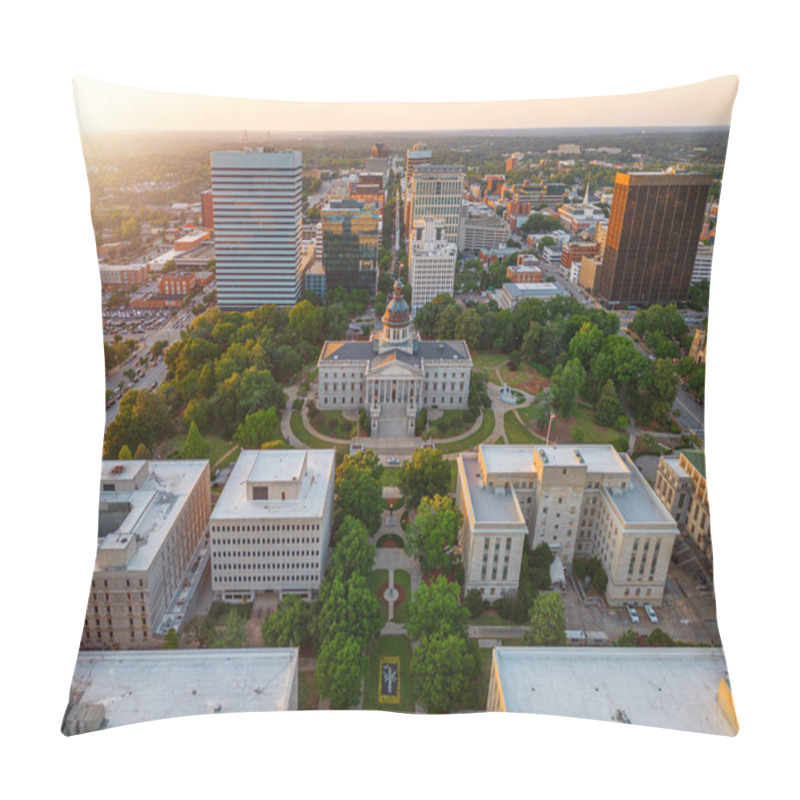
x: 633, y: 614
x: 651, y: 615
x: 394, y: 461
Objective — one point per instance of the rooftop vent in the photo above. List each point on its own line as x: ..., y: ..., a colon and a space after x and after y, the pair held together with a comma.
x: 119, y: 469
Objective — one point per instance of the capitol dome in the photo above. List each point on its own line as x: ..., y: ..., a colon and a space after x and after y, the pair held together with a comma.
x: 397, y: 313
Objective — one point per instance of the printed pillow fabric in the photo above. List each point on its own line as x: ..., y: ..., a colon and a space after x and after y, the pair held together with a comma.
x: 408, y: 420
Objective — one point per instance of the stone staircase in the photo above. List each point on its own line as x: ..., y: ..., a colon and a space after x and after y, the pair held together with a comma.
x: 393, y: 420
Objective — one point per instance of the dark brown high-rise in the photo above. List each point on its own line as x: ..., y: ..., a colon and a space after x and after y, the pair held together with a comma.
x: 653, y: 231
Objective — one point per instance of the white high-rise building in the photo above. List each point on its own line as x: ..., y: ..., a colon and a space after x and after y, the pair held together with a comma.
x: 437, y: 192
x: 432, y: 262
x: 702, y: 263
x: 257, y: 227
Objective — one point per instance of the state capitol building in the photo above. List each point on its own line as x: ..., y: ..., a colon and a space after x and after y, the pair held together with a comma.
x: 395, y: 375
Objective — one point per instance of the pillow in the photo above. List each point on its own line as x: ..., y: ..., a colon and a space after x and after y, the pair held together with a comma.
x: 409, y: 421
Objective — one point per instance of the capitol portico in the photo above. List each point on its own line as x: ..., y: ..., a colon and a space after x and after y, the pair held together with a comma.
x: 395, y: 375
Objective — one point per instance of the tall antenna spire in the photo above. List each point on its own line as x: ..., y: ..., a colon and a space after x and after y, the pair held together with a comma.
x: 586, y: 196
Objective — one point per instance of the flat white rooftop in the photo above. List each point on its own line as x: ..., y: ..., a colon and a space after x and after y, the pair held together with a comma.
x: 233, y: 502
x: 674, y: 463
x: 277, y: 465
x: 639, y: 503
x: 672, y: 687
x: 488, y: 506
x: 598, y: 458
x: 504, y: 459
x: 160, y: 684
x: 151, y: 510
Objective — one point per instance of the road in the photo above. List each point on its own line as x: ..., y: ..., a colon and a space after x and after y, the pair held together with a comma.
x: 154, y: 373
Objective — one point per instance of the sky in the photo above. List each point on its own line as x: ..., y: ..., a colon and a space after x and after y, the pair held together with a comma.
x: 104, y: 107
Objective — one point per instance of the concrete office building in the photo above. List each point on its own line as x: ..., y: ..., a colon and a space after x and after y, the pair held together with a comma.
x: 683, y: 688
x: 702, y: 263
x: 681, y: 486
x: 350, y: 245
x: 438, y: 192
x: 431, y: 263
x: 257, y: 223
x: 511, y: 293
x: 481, y: 228
x: 108, y: 690
x: 580, y: 500
x: 653, y: 231
x: 152, y: 518
x: 271, y: 526
x: 395, y: 375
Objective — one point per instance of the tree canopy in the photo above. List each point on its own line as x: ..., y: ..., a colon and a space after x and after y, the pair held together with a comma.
x: 547, y: 623
x: 436, y: 608
x: 432, y: 536
x: 426, y: 474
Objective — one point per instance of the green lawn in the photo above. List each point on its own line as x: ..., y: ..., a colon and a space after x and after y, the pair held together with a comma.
x: 490, y: 618
x: 486, y: 427
x: 592, y: 433
x: 217, y: 446
x: 516, y: 433
x: 488, y: 360
x: 307, y: 697
x: 402, y: 579
x: 337, y: 422
x: 390, y: 646
x: 456, y: 424
x: 308, y: 438
x: 390, y: 476
x: 479, y: 690
x: 453, y: 476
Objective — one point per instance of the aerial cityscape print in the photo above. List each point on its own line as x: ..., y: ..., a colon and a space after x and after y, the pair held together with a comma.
x: 404, y: 418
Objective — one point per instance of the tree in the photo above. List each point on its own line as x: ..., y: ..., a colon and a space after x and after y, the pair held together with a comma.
x: 354, y: 554
x: 348, y: 607
x: 235, y: 633
x: 142, y: 453
x: 663, y: 388
x: 443, y: 668
x: 340, y: 670
x: 257, y: 428
x: 196, y: 446
x: 202, y: 631
x: 172, y: 640
x: 431, y: 537
x: 627, y: 639
x: 547, y: 623
x: 657, y: 638
x: 608, y: 407
x: 143, y: 418
x: 359, y: 492
x: 306, y: 322
x: 426, y: 474
x: 468, y: 327
x: 288, y: 625
x: 435, y: 609
x: 565, y: 386
x: 124, y: 453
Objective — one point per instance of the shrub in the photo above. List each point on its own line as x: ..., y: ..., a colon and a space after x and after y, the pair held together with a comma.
x: 297, y: 404
x: 577, y: 435
x: 474, y: 602
x: 658, y: 638
x: 621, y: 422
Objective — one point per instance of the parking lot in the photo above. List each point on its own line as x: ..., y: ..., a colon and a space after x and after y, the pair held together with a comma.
x: 688, y: 613
x: 134, y: 320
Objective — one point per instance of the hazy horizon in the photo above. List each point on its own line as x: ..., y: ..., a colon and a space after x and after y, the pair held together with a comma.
x: 107, y: 108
